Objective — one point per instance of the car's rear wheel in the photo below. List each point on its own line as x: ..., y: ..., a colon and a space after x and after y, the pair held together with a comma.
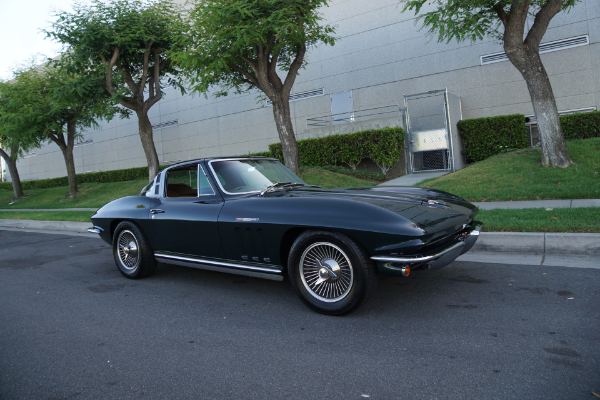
x: 330, y: 272
x: 132, y: 252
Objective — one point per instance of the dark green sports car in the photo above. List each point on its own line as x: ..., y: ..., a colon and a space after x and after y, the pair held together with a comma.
x: 252, y: 216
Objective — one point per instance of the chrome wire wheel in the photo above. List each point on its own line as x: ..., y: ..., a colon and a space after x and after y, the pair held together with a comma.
x: 129, y: 254
x: 326, y: 272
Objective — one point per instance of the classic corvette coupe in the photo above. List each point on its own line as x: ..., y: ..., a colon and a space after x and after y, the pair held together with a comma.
x: 252, y: 216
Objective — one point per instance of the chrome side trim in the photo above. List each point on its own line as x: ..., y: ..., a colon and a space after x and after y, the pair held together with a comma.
x: 219, y: 263
x: 418, y: 259
x: 95, y: 229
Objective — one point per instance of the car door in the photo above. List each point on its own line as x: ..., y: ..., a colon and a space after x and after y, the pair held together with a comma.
x: 185, y: 222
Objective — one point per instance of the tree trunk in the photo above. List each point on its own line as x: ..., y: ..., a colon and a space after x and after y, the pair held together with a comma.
x: 11, y: 161
x: 147, y: 139
x: 67, y: 150
x: 529, y: 64
x: 283, y: 121
x: 554, y: 147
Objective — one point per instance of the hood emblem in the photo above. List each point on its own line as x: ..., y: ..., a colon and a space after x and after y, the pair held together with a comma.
x: 247, y: 219
x: 432, y: 202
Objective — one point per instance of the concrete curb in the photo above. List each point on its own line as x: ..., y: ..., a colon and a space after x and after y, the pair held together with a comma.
x: 67, y: 226
x: 540, y: 243
x: 513, y: 242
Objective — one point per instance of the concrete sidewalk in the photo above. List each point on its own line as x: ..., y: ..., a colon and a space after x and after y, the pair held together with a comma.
x: 516, y: 205
x: 515, y: 242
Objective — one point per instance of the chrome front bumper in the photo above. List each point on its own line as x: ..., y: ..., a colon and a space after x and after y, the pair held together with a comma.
x: 435, y: 260
x: 95, y: 229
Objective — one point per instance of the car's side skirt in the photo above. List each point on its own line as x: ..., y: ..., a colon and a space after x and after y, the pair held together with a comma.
x: 247, y: 269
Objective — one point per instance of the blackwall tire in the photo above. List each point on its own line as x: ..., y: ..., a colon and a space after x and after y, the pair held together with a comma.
x: 330, y: 272
x: 132, y: 252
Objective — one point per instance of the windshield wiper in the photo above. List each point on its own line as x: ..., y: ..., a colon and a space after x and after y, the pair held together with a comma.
x: 285, y: 185
x: 273, y: 186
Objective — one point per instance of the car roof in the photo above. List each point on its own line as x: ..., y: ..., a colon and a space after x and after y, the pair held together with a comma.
x: 220, y: 158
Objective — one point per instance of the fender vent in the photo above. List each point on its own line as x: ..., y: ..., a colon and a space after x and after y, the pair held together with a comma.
x: 544, y: 48
x: 303, y: 95
x: 166, y: 124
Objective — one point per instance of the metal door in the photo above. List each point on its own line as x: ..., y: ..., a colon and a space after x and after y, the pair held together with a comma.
x: 429, y: 138
x: 342, y: 107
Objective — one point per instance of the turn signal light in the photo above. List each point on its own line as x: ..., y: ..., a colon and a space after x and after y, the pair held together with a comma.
x: 406, y: 270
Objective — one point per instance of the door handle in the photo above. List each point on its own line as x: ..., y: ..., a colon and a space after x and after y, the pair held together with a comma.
x: 157, y: 211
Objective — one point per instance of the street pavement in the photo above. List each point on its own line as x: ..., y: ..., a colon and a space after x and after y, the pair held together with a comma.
x: 71, y: 326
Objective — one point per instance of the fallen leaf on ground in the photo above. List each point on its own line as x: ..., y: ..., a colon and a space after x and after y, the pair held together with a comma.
x: 549, y: 209
x: 595, y: 394
x: 555, y: 218
x: 559, y: 183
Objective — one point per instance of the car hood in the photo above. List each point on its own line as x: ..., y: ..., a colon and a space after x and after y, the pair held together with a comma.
x: 430, y: 209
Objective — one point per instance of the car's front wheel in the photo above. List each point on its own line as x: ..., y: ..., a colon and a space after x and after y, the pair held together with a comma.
x: 330, y: 272
x: 132, y: 252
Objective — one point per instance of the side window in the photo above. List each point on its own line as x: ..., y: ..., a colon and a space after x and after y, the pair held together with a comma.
x: 204, y: 187
x: 183, y: 182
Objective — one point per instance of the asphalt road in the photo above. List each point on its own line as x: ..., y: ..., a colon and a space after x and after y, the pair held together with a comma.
x: 72, y: 327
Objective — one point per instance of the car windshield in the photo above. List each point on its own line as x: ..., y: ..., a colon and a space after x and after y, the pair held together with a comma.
x: 245, y: 176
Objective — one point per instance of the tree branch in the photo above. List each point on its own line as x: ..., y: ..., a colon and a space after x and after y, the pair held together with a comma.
x: 515, y: 27
x: 109, y: 65
x: 158, y: 66
x: 294, y: 68
x: 14, y: 151
x: 271, y: 42
x: 126, y: 74
x: 499, y: 8
x: 251, y: 63
x: 58, y: 139
x: 272, y: 71
x: 541, y: 22
x: 4, y: 155
x: 147, y: 46
x: 247, y: 74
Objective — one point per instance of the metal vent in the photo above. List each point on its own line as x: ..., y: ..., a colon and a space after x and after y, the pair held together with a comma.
x: 166, y: 124
x: 544, y: 48
x: 303, y: 95
x: 30, y: 154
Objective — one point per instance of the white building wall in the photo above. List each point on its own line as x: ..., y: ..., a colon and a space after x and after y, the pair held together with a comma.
x: 380, y: 55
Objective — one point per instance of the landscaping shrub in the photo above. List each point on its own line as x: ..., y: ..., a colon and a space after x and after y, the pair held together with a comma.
x: 581, y: 125
x: 261, y: 154
x: 118, y: 175
x: 485, y: 137
x: 383, y: 146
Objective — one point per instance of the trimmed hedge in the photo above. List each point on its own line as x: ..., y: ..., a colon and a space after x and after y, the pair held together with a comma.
x: 383, y: 146
x: 485, y: 137
x: 581, y: 125
x: 118, y: 175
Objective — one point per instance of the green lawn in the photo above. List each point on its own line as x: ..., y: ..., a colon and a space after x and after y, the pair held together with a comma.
x: 330, y: 180
x: 519, y: 176
x: 541, y: 220
x: 97, y: 194
x: 90, y: 195
x: 77, y: 216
